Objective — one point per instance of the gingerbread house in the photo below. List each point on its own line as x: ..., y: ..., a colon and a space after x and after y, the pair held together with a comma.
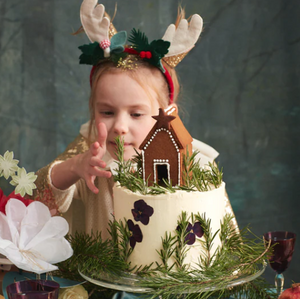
x: 164, y: 148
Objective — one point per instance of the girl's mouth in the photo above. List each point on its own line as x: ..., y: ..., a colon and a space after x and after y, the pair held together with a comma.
x: 125, y: 144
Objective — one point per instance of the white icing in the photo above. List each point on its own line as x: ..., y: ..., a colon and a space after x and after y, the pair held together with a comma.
x: 179, y: 168
x: 167, y: 209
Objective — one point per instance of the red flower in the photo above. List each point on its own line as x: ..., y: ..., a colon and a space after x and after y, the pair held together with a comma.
x: 4, y: 199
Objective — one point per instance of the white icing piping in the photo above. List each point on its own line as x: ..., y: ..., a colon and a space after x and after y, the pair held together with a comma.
x: 170, y: 109
x: 143, y: 159
x: 179, y: 173
x: 155, y: 133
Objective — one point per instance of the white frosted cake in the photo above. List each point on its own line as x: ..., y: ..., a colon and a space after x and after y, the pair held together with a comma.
x: 183, y: 195
x: 167, y: 209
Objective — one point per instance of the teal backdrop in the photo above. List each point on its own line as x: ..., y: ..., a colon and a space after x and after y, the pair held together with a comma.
x: 240, y: 93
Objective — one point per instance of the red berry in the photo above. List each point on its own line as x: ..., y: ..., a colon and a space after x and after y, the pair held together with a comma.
x: 148, y: 54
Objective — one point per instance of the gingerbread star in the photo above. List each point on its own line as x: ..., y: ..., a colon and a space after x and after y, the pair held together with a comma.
x: 163, y: 119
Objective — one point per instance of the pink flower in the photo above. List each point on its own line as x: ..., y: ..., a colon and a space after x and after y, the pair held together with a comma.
x: 4, y: 199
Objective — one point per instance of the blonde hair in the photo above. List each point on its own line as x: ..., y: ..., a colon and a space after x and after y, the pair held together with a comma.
x: 139, y: 71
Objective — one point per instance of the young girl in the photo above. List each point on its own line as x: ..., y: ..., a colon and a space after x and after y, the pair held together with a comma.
x: 128, y: 87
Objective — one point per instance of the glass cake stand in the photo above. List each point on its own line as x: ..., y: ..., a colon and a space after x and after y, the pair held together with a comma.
x: 132, y: 283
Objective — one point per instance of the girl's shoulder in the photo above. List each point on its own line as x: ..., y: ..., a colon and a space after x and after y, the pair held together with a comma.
x: 206, y: 153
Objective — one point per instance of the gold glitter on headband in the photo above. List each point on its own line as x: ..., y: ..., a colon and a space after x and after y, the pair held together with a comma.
x: 128, y: 63
x: 172, y: 61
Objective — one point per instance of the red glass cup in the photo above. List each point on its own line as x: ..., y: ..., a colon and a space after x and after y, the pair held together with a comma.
x: 283, y: 243
x: 33, y: 289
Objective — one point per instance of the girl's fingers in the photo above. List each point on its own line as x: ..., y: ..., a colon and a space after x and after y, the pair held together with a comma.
x: 95, y: 171
x: 90, y: 181
x: 100, y: 145
x: 102, y: 135
x: 95, y: 148
x: 91, y: 185
x: 96, y: 162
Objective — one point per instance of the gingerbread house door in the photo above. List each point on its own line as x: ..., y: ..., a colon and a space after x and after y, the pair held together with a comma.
x: 161, y: 172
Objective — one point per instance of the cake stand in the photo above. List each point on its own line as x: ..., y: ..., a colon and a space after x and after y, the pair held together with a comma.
x: 133, y: 283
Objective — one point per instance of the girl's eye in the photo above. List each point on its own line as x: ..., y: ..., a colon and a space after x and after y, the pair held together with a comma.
x: 136, y: 114
x: 106, y: 113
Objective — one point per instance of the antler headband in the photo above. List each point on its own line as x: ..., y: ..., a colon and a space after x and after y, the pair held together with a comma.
x: 107, y: 44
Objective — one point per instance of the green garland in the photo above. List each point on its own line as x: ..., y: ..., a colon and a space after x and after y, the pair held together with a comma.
x: 241, y: 255
x: 92, y: 53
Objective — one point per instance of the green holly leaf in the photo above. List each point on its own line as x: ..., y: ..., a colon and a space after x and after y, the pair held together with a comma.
x: 91, y: 54
x: 115, y: 57
x: 160, y: 46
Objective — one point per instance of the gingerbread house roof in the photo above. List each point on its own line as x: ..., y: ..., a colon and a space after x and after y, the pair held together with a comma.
x: 173, y: 123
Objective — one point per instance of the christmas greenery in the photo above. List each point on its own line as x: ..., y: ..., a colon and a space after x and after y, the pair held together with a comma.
x: 196, y: 178
x: 92, y: 53
x: 158, y: 48
x: 217, y: 275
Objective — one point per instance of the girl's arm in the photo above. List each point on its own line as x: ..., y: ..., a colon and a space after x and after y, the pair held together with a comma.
x: 86, y: 165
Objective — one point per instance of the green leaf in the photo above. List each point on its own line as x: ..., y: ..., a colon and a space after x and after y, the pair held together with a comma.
x: 160, y: 46
x: 118, y: 39
x: 91, y: 54
x: 139, y: 40
x: 89, y: 49
x: 118, y: 42
x: 115, y: 57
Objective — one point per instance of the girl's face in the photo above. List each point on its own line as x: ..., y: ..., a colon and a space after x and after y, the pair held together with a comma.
x: 126, y: 110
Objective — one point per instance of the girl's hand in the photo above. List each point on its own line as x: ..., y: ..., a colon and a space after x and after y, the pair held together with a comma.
x: 90, y: 162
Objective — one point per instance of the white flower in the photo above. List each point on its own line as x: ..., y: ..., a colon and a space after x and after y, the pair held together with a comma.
x: 24, y: 182
x: 31, y: 239
x: 8, y: 165
x: 76, y: 292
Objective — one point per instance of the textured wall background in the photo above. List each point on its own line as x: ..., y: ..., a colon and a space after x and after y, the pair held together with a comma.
x: 240, y: 93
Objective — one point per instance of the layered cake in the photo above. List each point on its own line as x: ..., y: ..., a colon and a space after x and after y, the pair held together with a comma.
x: 176, y: 196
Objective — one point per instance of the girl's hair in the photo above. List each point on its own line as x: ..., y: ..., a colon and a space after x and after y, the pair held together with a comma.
x: 143, y: 73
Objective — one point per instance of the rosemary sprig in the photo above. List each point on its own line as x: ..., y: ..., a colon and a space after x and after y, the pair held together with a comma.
x: 241, y: 254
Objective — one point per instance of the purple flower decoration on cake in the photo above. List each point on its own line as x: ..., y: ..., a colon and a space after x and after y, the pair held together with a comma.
x: 135, y: 233
x: 142, y: 212
x: 191, y: 232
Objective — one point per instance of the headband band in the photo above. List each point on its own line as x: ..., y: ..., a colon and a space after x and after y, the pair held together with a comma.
x: 165, y: 73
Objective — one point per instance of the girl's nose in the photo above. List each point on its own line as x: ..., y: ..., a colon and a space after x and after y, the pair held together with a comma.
x: 121, y: 125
